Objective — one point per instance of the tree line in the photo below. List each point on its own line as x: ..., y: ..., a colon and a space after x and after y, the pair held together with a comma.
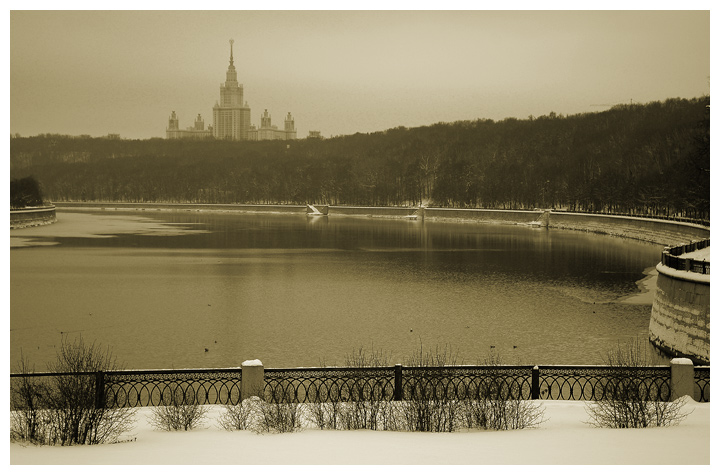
x: 649, y: 158
x: 25, y: 192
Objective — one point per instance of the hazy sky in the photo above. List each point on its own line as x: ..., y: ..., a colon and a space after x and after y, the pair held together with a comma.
x: 341, y: 72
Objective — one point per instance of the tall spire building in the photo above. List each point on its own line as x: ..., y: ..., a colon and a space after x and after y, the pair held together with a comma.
x: 231, y: 115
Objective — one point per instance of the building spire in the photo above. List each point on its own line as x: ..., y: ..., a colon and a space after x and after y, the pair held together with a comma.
x: 231, y: 74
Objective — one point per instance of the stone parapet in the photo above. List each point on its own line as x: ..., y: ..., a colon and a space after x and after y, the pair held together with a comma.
x: 680, y: 318
x: 27, y: 217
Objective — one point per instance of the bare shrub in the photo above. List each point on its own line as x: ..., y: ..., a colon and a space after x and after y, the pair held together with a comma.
x: 182, y: 410
x: 365, y: 394
x: 497, y: 403
x: 626, y: 400
x: 238, y: 416
x: 27, y: 399
x: 326, y: 407
x: 429, y: 401
x: 280, y: 414
x: 65, y: 408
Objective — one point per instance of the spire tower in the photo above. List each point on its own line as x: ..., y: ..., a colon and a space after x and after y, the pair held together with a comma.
x: 231, y: 76
x: 231, y: 115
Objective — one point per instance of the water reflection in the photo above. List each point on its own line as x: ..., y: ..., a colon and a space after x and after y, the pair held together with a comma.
x: 298, y: 291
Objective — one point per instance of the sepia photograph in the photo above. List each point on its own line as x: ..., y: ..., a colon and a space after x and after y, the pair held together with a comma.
x: 387, y: 234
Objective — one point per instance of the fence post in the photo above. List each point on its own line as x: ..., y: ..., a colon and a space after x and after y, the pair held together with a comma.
x: 682, y: 378
x: 535, y: 383
x: 99, y: 390
x: 252, y: 379
x: 398, y: 383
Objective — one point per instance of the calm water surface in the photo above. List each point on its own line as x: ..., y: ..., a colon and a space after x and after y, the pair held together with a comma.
x: 203, y: 289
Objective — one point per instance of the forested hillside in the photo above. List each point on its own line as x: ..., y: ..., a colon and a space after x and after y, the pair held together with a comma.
x: 645, y: 159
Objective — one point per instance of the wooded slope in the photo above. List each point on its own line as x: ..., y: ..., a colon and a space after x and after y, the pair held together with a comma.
x: 642, y: 158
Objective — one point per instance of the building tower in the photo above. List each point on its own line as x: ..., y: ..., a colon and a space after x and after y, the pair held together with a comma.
x: 173, y: 128
x: 173, y: 122
x: 199, y: 123
x: 231, y: 116
x: 290, y: 132
x: 265, y: 120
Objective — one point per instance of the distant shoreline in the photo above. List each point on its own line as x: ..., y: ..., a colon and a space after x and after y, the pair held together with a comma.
x: 657, y: 231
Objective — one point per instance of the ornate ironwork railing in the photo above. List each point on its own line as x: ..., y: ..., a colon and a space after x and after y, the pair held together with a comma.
x: 467, y: 382
x: 702, y: 384
x: 672, y: 257
x: 224, y: 386
x: 462, y: 382
x: 600, y: 382
x: 157, y: 388
x: 329, y: 384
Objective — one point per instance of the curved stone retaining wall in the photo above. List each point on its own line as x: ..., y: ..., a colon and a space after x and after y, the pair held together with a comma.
x: 657, y: 231
x: 652, y: 230
x: 184, y: 206
x: 484, y: 215
x: 680, y: 319
x: 372, y: 211
x: 23, y: 218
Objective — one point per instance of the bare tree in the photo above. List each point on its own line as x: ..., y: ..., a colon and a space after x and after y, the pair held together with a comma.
x: 27, y: 401
x: 66, y: 410
x: 628, y: 401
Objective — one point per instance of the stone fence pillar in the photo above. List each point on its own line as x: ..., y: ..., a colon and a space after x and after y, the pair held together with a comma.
x: 682, y: 378
x: 253, y: 379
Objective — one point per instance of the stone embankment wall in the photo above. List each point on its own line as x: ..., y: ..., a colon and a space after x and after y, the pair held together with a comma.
x: 183, y: 207
x: 23, y: 218
x: 652, y: 230
x: 657, y: 231
x: 680, y: 318
x: 371, y: 211
x: 483, y: 215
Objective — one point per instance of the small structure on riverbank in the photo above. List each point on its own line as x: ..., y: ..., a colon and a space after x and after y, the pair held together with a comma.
x: 32, y: 216
x: 680, y: 319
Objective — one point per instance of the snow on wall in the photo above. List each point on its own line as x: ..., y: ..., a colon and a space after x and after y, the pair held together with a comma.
x: 680, y: 318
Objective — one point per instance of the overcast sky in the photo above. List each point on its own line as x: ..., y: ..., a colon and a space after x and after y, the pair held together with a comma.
x: 341, y: 72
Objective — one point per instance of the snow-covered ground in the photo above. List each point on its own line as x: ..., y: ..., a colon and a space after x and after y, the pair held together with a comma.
x: 564, y: 438
x: 699, y: 255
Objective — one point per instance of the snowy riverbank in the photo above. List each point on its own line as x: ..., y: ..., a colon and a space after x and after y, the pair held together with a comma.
x: 564, y: 438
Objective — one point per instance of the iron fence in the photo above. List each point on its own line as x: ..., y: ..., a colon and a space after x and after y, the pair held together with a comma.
x: 671, y: 257
x: 329, y: 384
x: 702, y: 384
x: 140, y: 388
x: 466, y: 382
x: 572, y: 383
x: 155, y: 388
x: 461, y: 382
x: 224, y: 386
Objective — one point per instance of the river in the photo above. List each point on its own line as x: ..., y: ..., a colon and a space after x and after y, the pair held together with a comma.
x: 188, y: 289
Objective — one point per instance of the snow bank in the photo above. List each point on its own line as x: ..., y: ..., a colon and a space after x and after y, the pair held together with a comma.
x: 564, y: 438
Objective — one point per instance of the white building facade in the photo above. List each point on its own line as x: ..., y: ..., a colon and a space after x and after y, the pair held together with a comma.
x: 231, y: 117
